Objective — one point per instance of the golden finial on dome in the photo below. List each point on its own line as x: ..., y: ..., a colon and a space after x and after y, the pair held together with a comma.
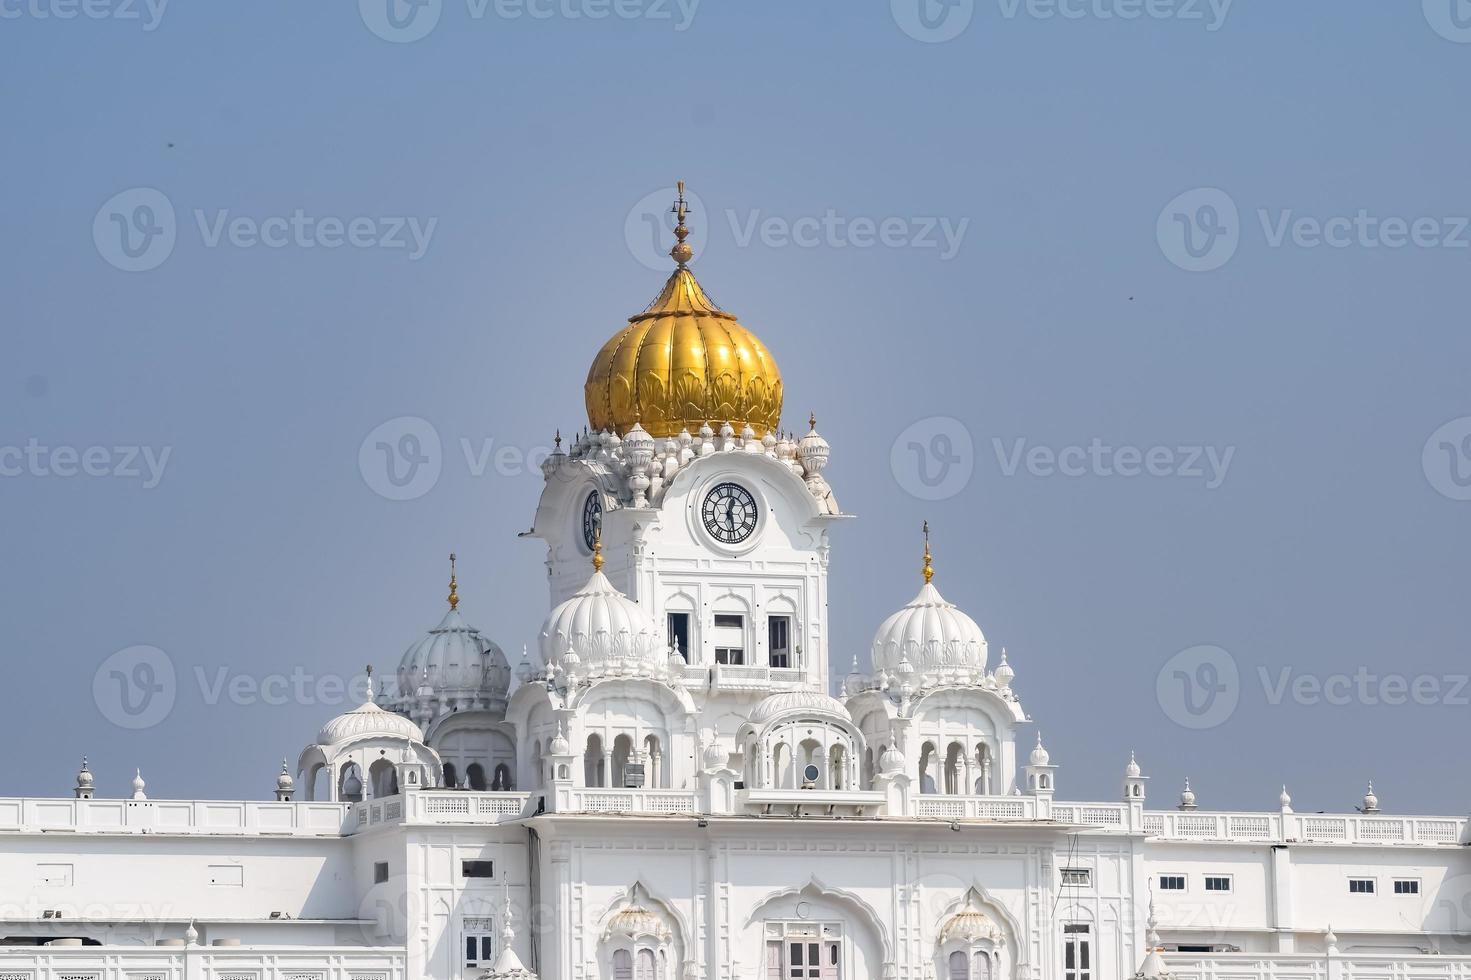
x: 929, y: 569
x: 454, y: 592
x: 558, y: 439
x: 812, y: 422
x: 597, y: 548
x: 681, y: 252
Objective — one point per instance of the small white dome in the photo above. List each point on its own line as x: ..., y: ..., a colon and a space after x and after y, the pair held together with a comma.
x: 799, y: 702
x: 1132, y: 770
x: 932, y: 634
x: 715, y: 756
x: 605, y: 629
x: 284, y: 781
x: 1039, y: 755
x: 367, y: 721
x: 456, y: 662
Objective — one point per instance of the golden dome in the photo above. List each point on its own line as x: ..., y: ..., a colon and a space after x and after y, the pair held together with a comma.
x: 681, y: 363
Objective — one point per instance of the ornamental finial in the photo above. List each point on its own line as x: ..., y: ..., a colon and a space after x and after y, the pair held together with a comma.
x: 929, y: 568
x: 454, y: 589
x: 812, y: 421
x: 681, y: 252
x: 597, y: 548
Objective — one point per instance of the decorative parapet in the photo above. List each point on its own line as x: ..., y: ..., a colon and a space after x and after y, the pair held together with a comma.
x: 204, y: 962
x: 213, y: 817
x: 1316, y: 828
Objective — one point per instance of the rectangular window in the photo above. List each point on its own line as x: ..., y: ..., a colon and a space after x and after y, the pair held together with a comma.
x: 1361, y: 886
x: 479, y: 946
x: 1172, y: 883
x: 1217, y: 883
x: 477, y: 869
x: 679, y: 632
x: 1077, y: 877
x: 1077, y: 953
x: 380, y: 872
x: 1407, y: 886
x: 779, y: 640
x: 730, y: 655
x: 730, y: 621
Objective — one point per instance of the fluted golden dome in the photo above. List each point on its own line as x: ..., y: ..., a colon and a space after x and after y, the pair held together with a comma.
x: 681, y: 363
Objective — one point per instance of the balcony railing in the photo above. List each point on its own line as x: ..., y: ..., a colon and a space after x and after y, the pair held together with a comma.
x: 202, y: 963
x: 1302, y: 966
x: 246, y: 817
x: 440, y: 807
x: 1316, y: 828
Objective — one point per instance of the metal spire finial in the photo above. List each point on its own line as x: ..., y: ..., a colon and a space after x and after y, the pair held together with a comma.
x: 597, y: 549
x: 454, y: 591
x: 929, y: 568
x: 681, y: 252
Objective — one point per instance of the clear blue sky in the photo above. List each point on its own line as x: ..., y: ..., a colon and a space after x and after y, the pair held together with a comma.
x: 1061, y: 317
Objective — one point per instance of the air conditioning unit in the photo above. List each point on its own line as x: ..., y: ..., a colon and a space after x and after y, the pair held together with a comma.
x: 633, y: 775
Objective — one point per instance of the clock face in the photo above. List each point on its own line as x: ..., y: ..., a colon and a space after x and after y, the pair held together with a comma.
x: 592, y: 518
x: 729, y: 513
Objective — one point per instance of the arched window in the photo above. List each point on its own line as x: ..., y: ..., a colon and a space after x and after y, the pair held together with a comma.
x: 955, y: 769
x: 980, y: 967
x: 502, y: 781
x: 622, y: 965
x: 476, y: 775
x: 384, y: 778
x: 645, y: 965
x: 350, y: 784
x: 927, y: 766
x: 959, y: 966
x: 622, y: 756
x: 451, y: 778
x: 593, y: 761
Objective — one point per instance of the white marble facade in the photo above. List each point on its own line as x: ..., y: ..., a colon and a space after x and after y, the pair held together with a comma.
x: 672, y: 784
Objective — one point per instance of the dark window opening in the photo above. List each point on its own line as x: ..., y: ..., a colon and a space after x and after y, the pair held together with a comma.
x: 380, y: 872
x: 679, y: 632
x: 477, y: 869
x: 779, y: 640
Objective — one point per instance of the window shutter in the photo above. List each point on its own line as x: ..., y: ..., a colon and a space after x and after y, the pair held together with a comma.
x: 773, y: 961
x: 622, y: 965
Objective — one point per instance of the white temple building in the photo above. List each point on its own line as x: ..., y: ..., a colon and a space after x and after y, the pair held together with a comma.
x: 672, y: 784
